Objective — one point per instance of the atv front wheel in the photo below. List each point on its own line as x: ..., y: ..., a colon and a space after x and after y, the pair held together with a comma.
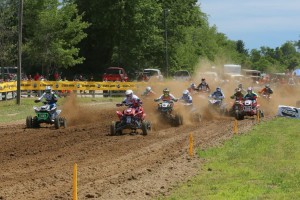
x: 145, y: 127
x: 63, y: 122
x: 35, y: 122
x: 28, y: 122
x: 57, y: 122
x: 178, y: 120
x: 113, y: 128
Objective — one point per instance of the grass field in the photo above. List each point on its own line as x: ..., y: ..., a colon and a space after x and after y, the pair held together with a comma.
x: 262, y: 164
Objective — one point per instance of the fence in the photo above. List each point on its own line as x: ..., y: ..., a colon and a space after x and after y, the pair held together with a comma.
x: 94, y: 88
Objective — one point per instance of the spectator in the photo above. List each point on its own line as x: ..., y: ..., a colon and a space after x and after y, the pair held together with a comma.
x: 37, y: 77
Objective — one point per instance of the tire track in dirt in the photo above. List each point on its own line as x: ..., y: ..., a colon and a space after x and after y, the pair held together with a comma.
x: 37, y: 163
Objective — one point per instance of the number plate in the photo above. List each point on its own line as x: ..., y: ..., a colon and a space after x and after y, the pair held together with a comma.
x: 128, y: 120
x: 42, y: 115
x: 247, y: 108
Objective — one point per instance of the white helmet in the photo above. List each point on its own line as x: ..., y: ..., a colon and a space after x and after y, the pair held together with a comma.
x: 185, y: 92
x: 48, y: 89
x: 148, y: 88
x: 129, y: 93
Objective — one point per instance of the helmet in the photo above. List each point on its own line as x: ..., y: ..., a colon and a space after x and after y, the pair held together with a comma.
x: 238, y: 90
x: 267, y: 86
x: 203, y: 79
x: 185, y: 92
x: 48, y: 89
x: 193, y: 85
x: 249, y: 90
x: 166, y: 91
x: 240, y: 85
x: 218, y: 89
x: 129, y: 93
x: 148, y: 88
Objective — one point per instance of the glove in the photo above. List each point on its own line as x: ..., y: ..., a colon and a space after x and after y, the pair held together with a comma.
x: 175, y: 100
x: 37, y: 101
x: 156, y: 100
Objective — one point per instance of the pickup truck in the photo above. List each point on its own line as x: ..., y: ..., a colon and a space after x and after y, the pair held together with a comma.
x: 115, y: 74
x: 153, y: 74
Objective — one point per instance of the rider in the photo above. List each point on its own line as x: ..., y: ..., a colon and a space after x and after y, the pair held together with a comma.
x: 166, y: 96
x: 186, y: 97
x: 203, y: 86
x: 218, y: 94
x: 131, y: 100
x: 51, y: 99
x: 238, y: 95
x: 266, y: 90
x: 148, y: 92
x: 192, y: 88
x: 241, y: 87
x: 250, y: 94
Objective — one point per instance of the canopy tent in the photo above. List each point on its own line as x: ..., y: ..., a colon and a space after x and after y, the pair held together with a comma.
x: 296, y: 72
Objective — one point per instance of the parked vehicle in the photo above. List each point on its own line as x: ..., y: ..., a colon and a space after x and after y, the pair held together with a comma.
x: 115, y: 74
x: 153, y: 74
x: 182, y: 75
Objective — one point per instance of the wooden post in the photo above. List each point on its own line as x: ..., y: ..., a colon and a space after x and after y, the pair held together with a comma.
x: 191, y: 145
x: 235, y: 127
x: 75, y: 182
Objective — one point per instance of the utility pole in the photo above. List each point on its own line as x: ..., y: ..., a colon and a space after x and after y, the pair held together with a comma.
x: 166, y: 43
x: 19, y: 52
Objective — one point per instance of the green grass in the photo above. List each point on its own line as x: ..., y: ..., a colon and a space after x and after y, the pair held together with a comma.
x: 263, y: 164
x: 10, y: 111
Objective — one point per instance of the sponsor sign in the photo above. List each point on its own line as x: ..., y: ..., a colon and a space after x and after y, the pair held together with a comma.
x: 68, y: 85
x: 288, y: 111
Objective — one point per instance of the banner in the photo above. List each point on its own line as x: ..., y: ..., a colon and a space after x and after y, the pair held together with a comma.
x: 8, y: 86
x: 69, y: 85
x: 288, y: 111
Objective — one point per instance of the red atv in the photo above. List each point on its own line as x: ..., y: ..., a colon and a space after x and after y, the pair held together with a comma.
x: 131, y: 118
x: 246, y: 107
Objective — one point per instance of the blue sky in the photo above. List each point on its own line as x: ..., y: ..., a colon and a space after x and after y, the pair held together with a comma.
x: 257, y: 22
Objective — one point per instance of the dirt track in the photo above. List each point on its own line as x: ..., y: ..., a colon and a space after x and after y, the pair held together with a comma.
x: 38, y: 163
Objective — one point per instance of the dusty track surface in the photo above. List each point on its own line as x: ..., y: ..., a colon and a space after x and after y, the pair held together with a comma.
x: 38, y: 163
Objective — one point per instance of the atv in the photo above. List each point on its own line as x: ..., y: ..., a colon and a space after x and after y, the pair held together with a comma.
x: 217, y: 105
x: 166, y: 112
x: 194, y: 113
x: 46, y: 115
x: 132, y: 119
x: 246, y: 108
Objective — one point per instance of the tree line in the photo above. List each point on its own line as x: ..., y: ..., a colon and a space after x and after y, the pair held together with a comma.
x: 87, y: 36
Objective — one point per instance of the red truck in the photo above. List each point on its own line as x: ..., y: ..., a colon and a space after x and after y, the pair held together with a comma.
x: 115, y: 74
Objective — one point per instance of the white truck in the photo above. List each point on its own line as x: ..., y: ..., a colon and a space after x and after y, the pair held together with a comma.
x: 232, y: 69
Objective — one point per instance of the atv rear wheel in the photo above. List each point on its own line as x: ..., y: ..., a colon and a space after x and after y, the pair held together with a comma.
x: 28, y: 122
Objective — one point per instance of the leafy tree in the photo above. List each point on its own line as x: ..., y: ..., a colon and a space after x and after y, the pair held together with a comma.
x: 8, y: 32
x: 53, y: 30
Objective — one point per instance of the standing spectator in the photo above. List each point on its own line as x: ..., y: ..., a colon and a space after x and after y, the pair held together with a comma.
x: 92, y: 91
x: 29, y: 78
x: 56, y: 76
x: 37, y: 77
